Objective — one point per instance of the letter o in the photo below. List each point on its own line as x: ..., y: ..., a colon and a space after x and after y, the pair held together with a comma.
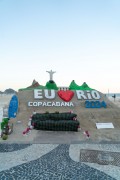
x: 35, y: 103
x: 95, y: 95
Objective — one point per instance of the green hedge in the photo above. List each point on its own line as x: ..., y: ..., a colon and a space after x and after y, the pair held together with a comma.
x: 54, y: 116
x: 57, y: 125
x: 55, y: 121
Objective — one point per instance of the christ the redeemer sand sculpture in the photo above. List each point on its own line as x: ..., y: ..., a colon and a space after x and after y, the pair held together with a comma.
x: 51, y: 74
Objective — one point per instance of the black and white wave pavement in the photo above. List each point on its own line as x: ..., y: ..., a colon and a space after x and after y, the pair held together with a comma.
x: 44, y: 162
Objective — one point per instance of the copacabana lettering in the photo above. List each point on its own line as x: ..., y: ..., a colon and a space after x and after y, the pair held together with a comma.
x: 47, y: 104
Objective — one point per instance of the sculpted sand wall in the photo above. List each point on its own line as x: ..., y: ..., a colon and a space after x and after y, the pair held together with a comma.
x: 87, y: 116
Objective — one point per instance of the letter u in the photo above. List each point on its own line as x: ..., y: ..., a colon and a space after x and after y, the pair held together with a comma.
x: 49, y: 94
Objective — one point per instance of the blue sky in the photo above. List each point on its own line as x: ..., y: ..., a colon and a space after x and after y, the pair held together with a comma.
x: 79, y: 39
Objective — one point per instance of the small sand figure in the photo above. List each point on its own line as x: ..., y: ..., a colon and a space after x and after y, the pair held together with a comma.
x: 27, y: 130
x: 34, y: 112
x: 87, y: 134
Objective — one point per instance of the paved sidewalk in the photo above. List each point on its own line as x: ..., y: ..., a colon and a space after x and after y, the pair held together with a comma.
x: 53, y: 162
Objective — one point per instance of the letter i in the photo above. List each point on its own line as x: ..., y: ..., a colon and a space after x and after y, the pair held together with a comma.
x: 89, y: 95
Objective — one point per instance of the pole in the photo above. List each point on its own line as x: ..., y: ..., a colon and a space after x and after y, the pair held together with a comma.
x: 108, y: 92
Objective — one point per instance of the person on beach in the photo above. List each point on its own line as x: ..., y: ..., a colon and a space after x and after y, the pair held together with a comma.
x: 114, y: 96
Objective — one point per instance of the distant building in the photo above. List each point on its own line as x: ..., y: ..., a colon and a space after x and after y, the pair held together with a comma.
x: 63, y: 88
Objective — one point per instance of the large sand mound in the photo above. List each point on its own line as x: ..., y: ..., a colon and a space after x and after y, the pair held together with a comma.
x: 87, y: 116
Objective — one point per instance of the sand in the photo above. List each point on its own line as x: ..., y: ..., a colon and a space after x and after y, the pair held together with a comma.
x: 87, y: 117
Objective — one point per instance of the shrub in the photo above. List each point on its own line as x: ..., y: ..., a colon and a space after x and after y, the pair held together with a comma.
x: 4, y: 137
x: 6, y: 120
x: 2, y: 125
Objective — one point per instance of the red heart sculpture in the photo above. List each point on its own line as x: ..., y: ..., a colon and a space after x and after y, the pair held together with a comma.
x: 65, y: 95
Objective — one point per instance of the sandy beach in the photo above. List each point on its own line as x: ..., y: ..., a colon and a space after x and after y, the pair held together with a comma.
x: 20, y: 123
